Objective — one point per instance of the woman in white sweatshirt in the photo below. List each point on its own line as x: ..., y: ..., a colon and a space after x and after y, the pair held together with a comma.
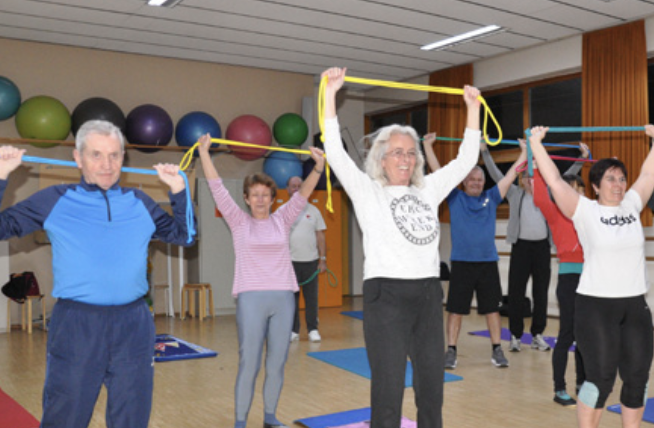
x: 397, y: 209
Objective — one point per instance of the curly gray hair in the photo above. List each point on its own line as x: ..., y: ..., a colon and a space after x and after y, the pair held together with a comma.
x: 373, y: 164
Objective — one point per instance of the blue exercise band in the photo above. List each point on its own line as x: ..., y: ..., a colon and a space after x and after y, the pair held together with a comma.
x: 190, y: 221
x: 567, y: 129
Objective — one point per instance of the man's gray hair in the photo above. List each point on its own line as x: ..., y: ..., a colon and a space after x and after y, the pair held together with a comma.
x: 478, y: 168
x: 99, y: 127
x: 380, y: 139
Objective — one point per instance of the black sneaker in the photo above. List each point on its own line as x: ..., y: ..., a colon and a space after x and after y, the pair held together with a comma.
x: 450, y: 359
x: 564, y: 399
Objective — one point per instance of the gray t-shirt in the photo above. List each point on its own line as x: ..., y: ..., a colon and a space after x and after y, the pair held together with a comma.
x: 532, y: 223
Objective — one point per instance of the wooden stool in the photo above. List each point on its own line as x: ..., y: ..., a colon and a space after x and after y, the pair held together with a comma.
x: 26, y: 318
x: 203, y: 292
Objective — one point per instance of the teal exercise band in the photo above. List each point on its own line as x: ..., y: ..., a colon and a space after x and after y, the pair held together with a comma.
x: 190, y: 221
x: 569, y: 129
x: 517, y: 143
x: 510, y: 142
x: 330, y: 277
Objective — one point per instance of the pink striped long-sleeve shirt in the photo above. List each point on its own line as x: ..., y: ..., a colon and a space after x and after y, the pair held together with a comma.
x: 261, y: 247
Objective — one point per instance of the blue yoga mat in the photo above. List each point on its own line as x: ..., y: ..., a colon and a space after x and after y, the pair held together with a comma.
x: 354, y: 314
x: 170, y: 348
x: 526, y: 337
x: 355, y: 360
x: 648, y: 416
x: 344, y: 418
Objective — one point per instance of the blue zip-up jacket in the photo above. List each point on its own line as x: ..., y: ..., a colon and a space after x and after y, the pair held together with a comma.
x: 99, y: 238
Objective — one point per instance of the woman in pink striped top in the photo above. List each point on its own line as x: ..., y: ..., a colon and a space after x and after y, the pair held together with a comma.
x: 264, y: 280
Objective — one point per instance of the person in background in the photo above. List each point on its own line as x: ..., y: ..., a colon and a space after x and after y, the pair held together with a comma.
x: 474, y: 255
x: 101, y: 330
x: 613, y: 323
x: 529, y: 237
x: 264, y: 281
x: 397, y: 209
x: 571, y: 260
x: 309, y: 255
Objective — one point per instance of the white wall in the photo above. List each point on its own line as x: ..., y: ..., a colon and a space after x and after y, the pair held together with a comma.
x: 649, y: 34
x: 216, y: 246
x: 379, y: 98
x: 551, y: 59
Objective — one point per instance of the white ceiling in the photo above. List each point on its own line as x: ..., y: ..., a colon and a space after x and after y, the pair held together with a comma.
x: 374, y: 38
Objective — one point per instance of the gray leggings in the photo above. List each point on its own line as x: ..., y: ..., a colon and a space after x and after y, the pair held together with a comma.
x: 262, y: 317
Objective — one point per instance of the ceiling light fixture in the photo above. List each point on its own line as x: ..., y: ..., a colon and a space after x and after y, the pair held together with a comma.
x: 164, y: 3
x: 467, y: 37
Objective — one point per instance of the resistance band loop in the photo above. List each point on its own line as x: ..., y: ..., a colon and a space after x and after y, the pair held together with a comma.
x: 188, y: 156
x: 409, y: 86
x: 569, y: 129
x: 190, y: 222
x: 331, y: 278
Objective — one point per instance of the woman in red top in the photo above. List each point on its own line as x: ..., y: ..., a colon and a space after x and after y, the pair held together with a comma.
x: 571, y: 259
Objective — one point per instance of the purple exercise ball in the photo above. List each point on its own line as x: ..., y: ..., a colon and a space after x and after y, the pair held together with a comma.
x: 149, y: 125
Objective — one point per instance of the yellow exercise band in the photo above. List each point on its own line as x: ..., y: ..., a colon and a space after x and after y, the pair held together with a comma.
x: 188, y: 157
x: 412, y: 87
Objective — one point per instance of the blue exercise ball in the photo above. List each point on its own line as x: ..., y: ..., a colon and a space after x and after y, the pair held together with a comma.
x: 149, y: 125
x: 9, y: 98
x: 281, y: 166
x: 195, y: 124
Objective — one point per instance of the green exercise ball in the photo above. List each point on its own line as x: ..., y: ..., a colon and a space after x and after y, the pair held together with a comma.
x: 290, y: 129
x: 43, y: 118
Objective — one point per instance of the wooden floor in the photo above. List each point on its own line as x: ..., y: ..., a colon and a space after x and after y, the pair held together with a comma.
x: 199, y: 393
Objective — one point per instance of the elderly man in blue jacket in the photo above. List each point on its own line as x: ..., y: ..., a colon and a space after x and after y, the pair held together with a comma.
x: 101, y: 330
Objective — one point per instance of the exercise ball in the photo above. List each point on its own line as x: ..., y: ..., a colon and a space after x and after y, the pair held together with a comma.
x: 290, y: 129
x: 43, y: 118
x: 97, y: 108
x: 281, y: 166
x: 195, y: 124
x: 307, y: 167
x: 249, y: 129
x: 148, y: 125
x: 9, y: 98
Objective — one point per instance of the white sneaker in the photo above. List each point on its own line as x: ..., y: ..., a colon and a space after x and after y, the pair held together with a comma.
x: 314, y: 336
x: 515, y: 344
x: 538, y: 342
x: 294, y: 336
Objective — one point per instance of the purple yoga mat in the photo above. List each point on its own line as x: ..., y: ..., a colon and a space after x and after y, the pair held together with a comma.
x: 526, y: 337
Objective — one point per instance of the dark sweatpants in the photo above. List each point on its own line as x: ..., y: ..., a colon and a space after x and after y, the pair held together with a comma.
x: 566, y: 292
x: 529, y: 258
x: 304, y: 271
x: 404, y: 318
x: 89, y: 346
